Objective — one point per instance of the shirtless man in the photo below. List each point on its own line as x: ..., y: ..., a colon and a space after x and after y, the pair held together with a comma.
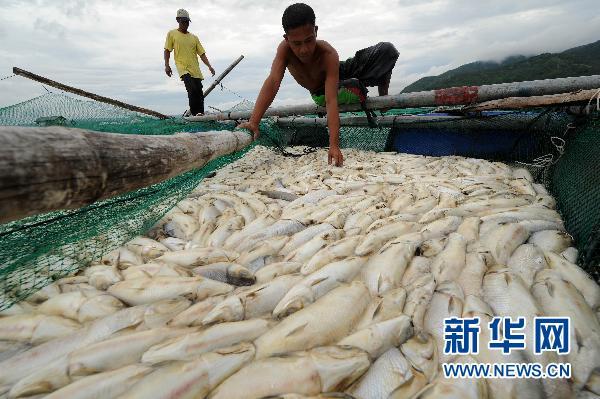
x: 315, y: 65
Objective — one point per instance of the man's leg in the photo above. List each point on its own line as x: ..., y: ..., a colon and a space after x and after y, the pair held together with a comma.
x: 384, y: 86
x: 372, y: 66
x: 193, y: 86
x: 188, y: 87
x: 198, y: 96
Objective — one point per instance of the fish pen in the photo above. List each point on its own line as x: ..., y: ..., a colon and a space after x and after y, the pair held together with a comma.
x: 451, y: 205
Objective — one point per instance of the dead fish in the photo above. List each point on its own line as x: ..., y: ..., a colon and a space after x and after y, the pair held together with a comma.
x: 226, y: 272
x: 326, y: 321
x: 198, y: 257
x: 147, y: 290
x: 256, y: 302
x: 328, y: 368
x: 317, y: 284
x: 147, y: 248
x: 388, y: 372
x: 380, y: 337
x: 193, y: 315
x: 193, y: 344
x: 277, y: 269
x: 383, y: 308
x: 385, y: 269
x: 195, y: 378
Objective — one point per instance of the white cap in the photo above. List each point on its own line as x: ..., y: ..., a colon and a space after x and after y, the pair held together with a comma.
x: 181, y: 13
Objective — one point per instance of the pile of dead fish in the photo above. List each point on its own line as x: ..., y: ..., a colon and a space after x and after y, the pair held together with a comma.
x: 285, y: 277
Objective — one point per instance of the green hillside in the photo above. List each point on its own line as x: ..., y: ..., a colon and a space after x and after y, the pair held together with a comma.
x: 578, y: 61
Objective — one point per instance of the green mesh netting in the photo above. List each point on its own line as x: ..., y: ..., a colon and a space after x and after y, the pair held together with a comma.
x: 73, y: 110
x: 37, y: 250
x: 575, y: 183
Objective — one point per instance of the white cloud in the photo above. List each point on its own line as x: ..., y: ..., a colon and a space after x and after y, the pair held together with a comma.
x: 114, y: 48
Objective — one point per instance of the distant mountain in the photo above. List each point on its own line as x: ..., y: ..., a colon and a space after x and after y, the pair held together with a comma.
x: 578, y: 61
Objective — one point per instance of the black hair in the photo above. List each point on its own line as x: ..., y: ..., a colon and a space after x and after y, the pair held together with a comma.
x: 296, y: 15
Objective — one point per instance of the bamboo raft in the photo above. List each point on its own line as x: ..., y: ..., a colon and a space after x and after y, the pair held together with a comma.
x: 46, y: 169
x: 538, y: 93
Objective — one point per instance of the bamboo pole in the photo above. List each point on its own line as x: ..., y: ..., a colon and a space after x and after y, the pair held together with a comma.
x: 465, y: 95
x: 493, y: 122
x: 383, y: 121
x: 535, y: 101
x: 221, y: 76
x: 83, y: 93
x: 50, y: 168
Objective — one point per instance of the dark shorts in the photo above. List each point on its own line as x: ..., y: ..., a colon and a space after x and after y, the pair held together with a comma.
x: 371, y: 66
x: 195, y: 93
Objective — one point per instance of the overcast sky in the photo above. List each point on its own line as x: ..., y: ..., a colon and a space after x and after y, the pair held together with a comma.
x: 115, y: 48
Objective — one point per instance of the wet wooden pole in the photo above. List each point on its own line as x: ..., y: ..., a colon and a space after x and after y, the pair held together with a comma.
x: 382, y: 121
x: 83, y: 93
x: 222, y: 76
x: 466, y: 95
x: 580, y: 96
x: 50, y: 168
x: 535, y: 101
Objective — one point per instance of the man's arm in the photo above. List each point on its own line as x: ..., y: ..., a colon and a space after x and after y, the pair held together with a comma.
x: 268, y: 91
x: 168, y: 48
x: 332, y: 65
x: 207, y: 63
x: 168, y: 70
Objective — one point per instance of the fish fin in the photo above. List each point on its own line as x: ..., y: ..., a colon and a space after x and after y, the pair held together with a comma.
x: 550, y: 287
x: 317, y: 281
x: 578, y: 339
x: 378, y: 309
x: 297, y: 330
x: 253, y: 293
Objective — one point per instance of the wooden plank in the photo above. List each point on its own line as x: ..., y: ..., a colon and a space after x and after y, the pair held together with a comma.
x: 83, y: 93
x: 535, y: 101
x: 466, y: 95
x: 49, y: 168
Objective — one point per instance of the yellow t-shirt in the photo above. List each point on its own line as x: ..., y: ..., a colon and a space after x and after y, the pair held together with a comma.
x: 186, y: 46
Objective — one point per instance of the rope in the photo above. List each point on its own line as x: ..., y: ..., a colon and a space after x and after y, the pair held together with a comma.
x: 547, y: 160
x: 233, y: 92
x: 8, y: 77
x: 279, y: 147
x: 597, y: 96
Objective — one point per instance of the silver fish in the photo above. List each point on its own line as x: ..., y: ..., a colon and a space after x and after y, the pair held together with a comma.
x: 193, y: 379
x: 326, y: 321
x: 324, y: 369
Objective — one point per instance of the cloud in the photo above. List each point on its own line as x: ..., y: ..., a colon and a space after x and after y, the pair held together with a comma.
x: 50, y: 28
x: 114, y: 48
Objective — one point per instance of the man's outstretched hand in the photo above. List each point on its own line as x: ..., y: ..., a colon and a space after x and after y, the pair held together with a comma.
x: 253, y: 127
x: 335, y: 156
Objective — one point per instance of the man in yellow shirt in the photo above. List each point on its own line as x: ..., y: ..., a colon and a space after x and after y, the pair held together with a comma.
x: 187, y: 47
